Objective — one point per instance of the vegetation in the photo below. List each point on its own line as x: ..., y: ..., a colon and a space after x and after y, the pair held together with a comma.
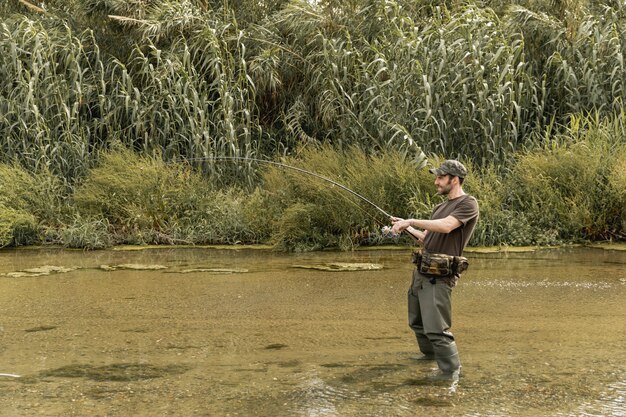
x: 114, y: 116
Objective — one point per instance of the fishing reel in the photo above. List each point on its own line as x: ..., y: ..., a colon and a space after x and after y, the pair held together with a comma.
x: 387, y: 231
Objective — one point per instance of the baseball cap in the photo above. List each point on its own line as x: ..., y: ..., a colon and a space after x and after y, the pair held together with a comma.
x: 450, y: 167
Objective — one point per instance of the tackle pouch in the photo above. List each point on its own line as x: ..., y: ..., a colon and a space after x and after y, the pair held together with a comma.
x: 436, y: 264
x: 460, y: 264
x: 439, y: 264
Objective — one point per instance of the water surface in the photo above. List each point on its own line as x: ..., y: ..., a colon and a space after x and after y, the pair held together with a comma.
x: 247, y: 333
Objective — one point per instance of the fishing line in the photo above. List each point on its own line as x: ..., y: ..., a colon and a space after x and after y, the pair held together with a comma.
x: 386, y: 229
x: 304, y: 171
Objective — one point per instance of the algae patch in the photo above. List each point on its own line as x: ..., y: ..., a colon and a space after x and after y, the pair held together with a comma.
x: 608, y: 246
x: 40, y: 271
x: 135, y: 267
x: 342, y: 266
x: 212, y: 271
x: 502, y: 249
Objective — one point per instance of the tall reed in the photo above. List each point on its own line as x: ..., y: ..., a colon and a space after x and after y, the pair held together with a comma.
x: 194, y: 80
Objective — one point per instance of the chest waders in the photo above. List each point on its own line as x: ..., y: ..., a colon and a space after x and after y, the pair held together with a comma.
x: 430, y: 318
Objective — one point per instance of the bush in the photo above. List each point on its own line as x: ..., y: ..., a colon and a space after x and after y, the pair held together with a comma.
x: 27, y: 201
x: 617, y: 189
x: 146, y: 200
x: 571, y: 188
x: 137, y: 193
x: 222, y: 218
x: 17, y: 227
x: 40, y: 194
x: 86, y: 233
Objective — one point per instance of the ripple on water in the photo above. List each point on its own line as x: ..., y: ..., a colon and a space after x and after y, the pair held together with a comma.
x: 612, y: 402
x: 365, y: 390
x: 519, y: 285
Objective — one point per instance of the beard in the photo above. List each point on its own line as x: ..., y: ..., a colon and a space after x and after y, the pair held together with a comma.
x: 444, y: 189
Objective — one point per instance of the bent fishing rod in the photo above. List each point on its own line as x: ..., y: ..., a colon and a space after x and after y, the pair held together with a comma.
x: 304, y: 171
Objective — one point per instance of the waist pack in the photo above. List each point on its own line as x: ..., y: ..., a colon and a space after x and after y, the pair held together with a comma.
x: 439, y: 264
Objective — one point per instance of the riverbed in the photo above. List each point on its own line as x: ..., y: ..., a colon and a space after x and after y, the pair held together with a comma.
x: 211, y: 332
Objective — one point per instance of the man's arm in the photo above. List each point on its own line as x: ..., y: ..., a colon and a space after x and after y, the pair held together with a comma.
x: 445, y: 225
x: 417, y: 235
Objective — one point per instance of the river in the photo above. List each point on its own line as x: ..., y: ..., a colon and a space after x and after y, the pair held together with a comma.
x: 212, y: 332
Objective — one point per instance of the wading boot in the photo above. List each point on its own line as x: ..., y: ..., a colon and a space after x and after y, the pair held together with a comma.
x: 448, y: 360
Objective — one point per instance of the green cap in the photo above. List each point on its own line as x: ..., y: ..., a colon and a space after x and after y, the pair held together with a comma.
x: 450, y: 167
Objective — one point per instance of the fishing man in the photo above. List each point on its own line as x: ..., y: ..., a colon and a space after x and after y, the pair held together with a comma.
x: 439, y: 265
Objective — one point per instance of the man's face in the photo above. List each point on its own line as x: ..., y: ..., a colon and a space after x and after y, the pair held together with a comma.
x: 443, y: 184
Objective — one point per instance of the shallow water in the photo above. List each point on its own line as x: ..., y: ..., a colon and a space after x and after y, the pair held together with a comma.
x: 244, y: 332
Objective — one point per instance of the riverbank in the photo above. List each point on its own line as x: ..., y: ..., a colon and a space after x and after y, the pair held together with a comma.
x: 609, y: 246
x: 570, y: 193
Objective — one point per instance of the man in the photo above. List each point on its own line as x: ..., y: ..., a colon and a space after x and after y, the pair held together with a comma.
x: 444, y: 237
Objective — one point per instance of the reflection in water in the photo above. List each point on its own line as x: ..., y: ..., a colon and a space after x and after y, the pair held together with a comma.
x: 245, y: 333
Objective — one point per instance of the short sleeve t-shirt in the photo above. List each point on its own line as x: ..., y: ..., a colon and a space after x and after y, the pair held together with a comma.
x: 464, y: 209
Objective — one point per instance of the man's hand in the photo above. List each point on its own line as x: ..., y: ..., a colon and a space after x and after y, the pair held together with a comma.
x: 399, y: 225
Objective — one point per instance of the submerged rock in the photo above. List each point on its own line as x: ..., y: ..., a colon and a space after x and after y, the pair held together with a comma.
x: 275, y: 346
x: 116, y: 372
x: 342, y: 266
x: 40, y: 329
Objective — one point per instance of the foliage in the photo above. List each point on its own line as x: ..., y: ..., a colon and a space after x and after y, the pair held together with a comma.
x: 568, y: 187
x: 17, y: 227
x: 136, y: 193
x: 51, y: 80
x: 86, y: 233
x: 198, y: 79
x: 26, y: 201
x: 146, y: 200
x: 22, y: 190
x: 497, y: 224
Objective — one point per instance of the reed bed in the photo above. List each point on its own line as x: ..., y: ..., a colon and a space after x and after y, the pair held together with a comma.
x: 191, y: 81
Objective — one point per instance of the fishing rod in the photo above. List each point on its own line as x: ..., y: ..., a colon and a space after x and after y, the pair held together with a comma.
x: 385, y: 230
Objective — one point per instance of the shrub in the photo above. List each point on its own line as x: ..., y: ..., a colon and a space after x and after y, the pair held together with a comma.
x: 221, y: 218
x: 146, y: 200
x: 136, y: 192
x: 86, y: 233
x: 17, y: 227
x: 41, y: 194
x: 571, y: 188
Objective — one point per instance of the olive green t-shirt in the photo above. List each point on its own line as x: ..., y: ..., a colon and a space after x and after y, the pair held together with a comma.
x: 465, y: 209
